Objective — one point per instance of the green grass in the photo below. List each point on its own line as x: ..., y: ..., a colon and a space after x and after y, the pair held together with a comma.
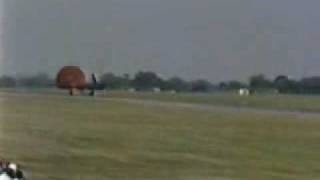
x: 63, y: 138
x: 302, y: 103
x: 266, y: 101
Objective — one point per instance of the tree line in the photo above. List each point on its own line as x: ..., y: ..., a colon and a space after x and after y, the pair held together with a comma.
x: 148, y: 81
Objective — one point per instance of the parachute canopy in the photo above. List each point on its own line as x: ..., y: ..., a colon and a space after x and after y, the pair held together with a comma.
x: 71, y: 77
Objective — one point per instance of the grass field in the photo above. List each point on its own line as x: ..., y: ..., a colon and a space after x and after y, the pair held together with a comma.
x: 301, y: 103
x: 266, y: 101
x: 82, y: 138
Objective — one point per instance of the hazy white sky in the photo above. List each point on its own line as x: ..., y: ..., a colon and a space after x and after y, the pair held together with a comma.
x: 213, y: 39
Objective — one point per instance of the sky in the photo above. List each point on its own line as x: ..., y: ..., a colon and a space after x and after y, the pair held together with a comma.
x: 213, y: 39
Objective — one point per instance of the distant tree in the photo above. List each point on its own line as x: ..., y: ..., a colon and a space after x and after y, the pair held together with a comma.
x: 235, y: 85
x: 126, y: 81
x: 285, y: 85
x: 223, y: 86
x: 260, y: 82
x: 39, y: 80
x: 126, y: 76
x: 44, y: 80
x: 310, y: 85
x: 281, y: 78
x: 201, y: 86
x: 111, y: 81
x: 231, y: 85
x: 147, y: 81
x: 7, y: 81
x: 177, y: 84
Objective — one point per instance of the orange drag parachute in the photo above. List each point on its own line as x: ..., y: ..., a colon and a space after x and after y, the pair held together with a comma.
x: 71, y: 77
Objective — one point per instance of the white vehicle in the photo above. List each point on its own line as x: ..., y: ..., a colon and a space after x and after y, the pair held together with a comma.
x: 244, y: 92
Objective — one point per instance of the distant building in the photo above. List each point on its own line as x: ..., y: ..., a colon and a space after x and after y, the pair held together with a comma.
x: 244, y: 92
x: 156, y: 90
x: 131, y: 90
